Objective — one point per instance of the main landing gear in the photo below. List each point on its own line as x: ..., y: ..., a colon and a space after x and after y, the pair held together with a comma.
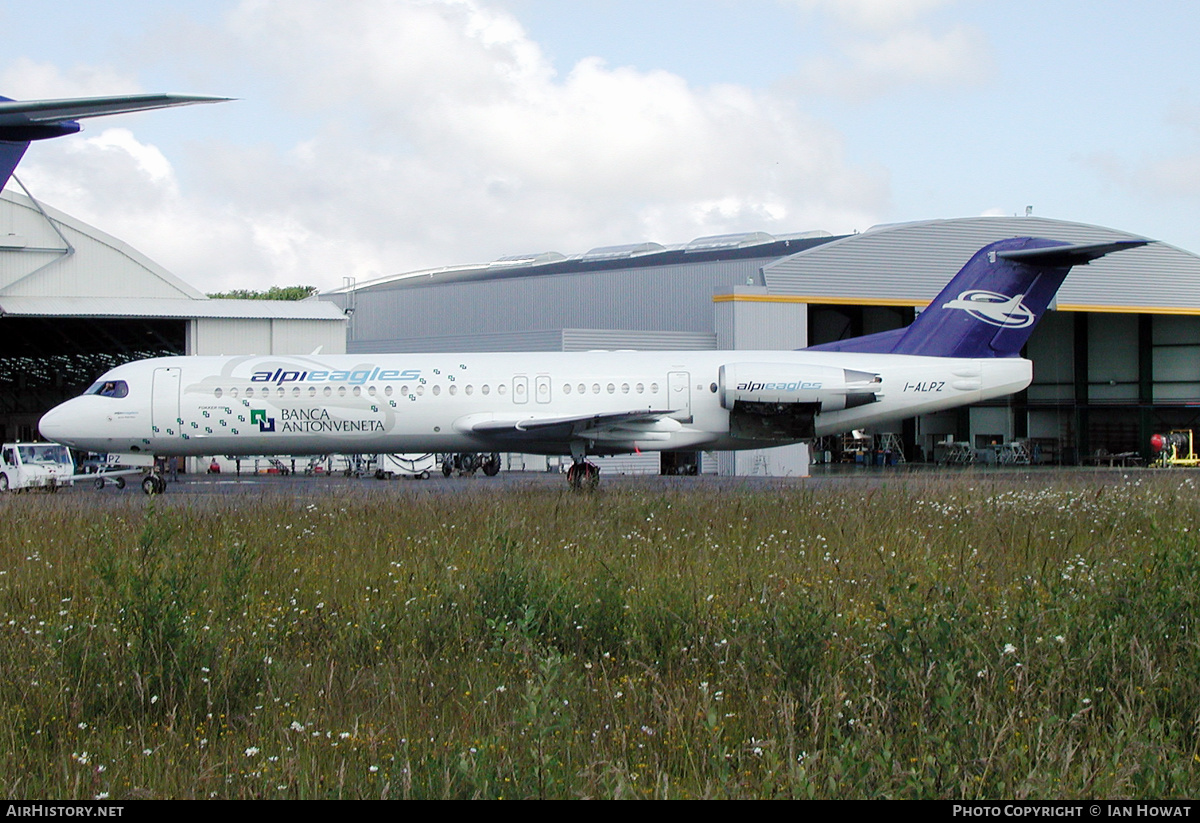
x: 582, y: 476
x: 467, y: 463
x: 154, y: 484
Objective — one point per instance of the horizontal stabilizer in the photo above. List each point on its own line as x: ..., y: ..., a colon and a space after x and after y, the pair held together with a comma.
x: 1076, y: 255
x: 14, y: 113
x: 24, y: 120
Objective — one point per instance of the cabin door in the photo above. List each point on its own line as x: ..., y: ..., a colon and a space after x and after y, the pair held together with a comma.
x: 164, y: 413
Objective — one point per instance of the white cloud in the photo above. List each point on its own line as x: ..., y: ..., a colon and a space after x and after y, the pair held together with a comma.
x: 443, y: 136
x: 876, y: 15
x: 26, y: 79
x: 871, y: 68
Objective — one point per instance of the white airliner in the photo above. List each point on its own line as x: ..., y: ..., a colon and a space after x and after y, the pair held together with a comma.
x: 962, y: 349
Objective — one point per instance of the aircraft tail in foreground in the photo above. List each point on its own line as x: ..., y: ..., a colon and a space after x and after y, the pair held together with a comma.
x: 22, y: 121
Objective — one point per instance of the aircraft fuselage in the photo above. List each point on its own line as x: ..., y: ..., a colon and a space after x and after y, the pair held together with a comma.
x: 540, y: 403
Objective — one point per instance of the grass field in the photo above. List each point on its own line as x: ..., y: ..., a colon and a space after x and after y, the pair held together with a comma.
x: 966, y: 637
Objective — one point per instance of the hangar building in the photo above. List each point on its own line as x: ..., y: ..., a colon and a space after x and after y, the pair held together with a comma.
x: 1118, y: 360
x: 74, y: 302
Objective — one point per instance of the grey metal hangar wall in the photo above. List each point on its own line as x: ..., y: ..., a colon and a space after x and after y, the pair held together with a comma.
x: 1117, y: 361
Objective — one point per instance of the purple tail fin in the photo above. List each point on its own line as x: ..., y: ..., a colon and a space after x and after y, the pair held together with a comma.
x: 992, y: 305
x: 11, y: 152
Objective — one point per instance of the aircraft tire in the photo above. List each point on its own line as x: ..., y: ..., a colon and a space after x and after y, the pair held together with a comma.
x: 491, y: 464
x: 447, y: 467
x: 149, y: 486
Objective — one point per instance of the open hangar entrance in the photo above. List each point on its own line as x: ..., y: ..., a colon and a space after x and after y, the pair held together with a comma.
x: 1103, y: 383
x: 47, y: 360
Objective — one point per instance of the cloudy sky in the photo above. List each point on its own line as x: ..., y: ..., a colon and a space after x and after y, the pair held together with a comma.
x: 377, y: 136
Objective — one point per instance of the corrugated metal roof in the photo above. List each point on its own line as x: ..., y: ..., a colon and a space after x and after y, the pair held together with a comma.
x: 639, y: 255
x: 909, y: 263
x: 169, y: 307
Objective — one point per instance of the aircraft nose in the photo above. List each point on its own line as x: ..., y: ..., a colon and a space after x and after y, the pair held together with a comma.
x: 55, y: 424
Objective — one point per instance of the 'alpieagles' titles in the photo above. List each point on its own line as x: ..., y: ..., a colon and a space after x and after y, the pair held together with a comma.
x: 356, y: 377
x: 797, y: 385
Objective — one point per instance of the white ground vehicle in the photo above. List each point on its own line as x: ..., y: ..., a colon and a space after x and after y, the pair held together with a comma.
x: 388, y: 466
x: 35, y: 466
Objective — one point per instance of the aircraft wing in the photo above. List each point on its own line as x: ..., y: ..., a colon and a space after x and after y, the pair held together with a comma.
x: 642, y: 424
x: 31, y: 112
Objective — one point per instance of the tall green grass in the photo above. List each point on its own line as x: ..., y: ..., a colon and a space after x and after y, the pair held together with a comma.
x: 971, y: 637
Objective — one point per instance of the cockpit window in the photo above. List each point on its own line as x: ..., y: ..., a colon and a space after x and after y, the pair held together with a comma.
x: 109, y: 388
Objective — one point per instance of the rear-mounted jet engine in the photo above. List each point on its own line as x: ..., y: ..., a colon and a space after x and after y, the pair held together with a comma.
x: 777, y: 401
